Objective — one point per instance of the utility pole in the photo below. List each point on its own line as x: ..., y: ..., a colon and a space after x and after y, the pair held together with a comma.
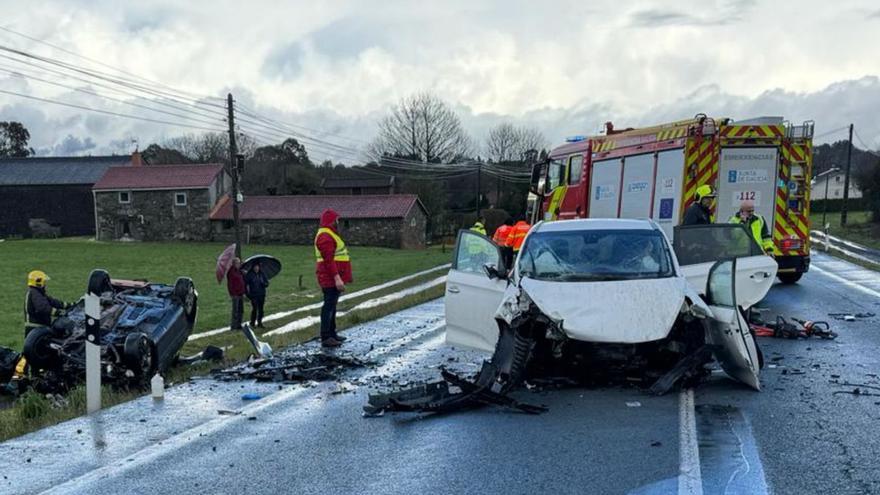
x: 846, y: 179
x: 233, y: 171
x: 479, y: 168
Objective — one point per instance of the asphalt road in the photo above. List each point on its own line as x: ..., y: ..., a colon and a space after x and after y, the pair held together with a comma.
x: 796, y: 436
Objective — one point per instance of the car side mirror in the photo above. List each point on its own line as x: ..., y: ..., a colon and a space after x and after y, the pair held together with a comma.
x: 493, y: 272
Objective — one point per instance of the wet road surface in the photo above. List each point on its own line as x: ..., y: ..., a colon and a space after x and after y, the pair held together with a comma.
x: 797, y: 436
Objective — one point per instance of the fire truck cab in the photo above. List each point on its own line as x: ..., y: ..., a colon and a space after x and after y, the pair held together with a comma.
x: 653, y: 173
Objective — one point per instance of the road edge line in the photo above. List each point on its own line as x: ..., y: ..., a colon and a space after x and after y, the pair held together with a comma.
x: 690, y: 481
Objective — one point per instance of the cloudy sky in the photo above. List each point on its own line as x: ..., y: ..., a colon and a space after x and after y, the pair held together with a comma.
x: 334, y: 67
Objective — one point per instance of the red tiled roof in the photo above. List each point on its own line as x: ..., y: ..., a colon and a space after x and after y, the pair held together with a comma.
x: 159, y: 177
x: 311, y: 207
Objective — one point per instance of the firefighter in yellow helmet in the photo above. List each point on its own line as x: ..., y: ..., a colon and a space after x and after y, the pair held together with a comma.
x: 39, y: 307
x: 755, y: 224
x: 700, y: 211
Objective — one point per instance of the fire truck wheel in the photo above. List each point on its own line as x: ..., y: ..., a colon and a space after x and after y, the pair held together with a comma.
x: 789, y: 278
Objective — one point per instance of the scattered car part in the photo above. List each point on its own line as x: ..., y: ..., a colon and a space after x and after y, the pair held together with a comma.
x: 292, y: 368
x: 263, y: 349
x: 783, y: 329
x: 210, y: 353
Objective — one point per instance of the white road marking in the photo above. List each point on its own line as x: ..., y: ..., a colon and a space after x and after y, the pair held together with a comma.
x: 849, y: 253
x: 182, y: 439
x: 846, y: 282
x: 310, y: 307
x: 310, y: 320
x: 690, y: 481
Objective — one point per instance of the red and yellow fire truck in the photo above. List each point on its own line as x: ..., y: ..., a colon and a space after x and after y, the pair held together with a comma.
x: 653, y: 173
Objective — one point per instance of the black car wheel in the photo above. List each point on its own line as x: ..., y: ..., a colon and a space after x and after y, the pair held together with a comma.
x: 185, y: 295
x: 38, y: 351
x: 789, y: 278
x: 99, y: 282
x: 138, y: 354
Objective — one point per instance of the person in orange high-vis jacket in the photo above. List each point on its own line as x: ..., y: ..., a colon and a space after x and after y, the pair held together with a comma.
x: 518, y: 234
x: 500, y: 239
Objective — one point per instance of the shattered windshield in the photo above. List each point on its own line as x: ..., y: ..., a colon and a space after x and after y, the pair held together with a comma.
x: 596, y: 255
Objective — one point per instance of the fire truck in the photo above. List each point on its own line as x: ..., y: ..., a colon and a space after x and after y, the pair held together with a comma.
x: 653, y: 172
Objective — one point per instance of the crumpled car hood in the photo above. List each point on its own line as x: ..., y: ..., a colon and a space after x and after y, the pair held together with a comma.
x: 624, y: 311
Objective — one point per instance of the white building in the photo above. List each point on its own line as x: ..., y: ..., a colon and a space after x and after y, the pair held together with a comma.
x: 834, y: 178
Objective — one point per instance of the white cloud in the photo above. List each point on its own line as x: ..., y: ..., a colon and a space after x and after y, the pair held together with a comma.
x: 565, y: 67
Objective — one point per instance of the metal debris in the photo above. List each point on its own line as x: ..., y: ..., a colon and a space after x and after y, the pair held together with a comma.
x: 292, y: 368
x: 451, y: 394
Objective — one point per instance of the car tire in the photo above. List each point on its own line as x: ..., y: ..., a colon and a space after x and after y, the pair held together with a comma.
x: 99, y: 282
x: 185, y: 295
x: 789, y: 278
x: 38, y: 352
x: 139, y: 355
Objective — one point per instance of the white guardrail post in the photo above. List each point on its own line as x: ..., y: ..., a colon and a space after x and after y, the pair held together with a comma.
x: 93, y: 352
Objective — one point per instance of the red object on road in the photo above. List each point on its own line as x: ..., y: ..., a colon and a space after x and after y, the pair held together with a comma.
x: 224, y: 261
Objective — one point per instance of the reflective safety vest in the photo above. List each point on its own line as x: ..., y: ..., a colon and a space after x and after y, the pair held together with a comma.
x: 341, y: 253
x: 501, y: 234
x: 758, y: 227
x: 518, y: 235
x: 479, y: 228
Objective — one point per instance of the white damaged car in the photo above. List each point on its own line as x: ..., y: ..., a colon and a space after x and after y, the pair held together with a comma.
x: 602, y: 296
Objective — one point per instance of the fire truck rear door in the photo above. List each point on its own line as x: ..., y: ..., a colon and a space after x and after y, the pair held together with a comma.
x: 747, y: 173
x: 604, y: 189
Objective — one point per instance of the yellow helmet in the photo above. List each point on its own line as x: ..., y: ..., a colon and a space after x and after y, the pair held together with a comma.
x: 37, y: 278
x: 704, y: 191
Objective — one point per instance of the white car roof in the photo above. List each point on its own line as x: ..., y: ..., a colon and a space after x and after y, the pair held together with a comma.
x: 596, y: 224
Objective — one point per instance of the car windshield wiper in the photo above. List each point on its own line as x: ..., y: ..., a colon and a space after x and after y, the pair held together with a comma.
x: 590, y: 277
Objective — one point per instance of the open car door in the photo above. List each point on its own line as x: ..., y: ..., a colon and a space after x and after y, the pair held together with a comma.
x: 733, y: 343
x: 699, y: 247
x: 472, y: 295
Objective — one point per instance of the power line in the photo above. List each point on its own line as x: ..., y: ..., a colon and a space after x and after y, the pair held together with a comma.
x: 118, y: 100
x: 867, y: 148
x: 98, y: 62
x: 107, y: 112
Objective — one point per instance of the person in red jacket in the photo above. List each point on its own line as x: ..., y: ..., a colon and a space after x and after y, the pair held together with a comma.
x: 236, y: 287
x: 333, y: 270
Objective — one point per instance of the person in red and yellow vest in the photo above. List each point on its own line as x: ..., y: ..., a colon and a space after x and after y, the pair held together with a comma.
x: 518, y: 234
x: 333, y: 270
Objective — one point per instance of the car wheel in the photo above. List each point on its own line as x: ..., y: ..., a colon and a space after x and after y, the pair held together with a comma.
x: 139, y: 356
x: 99, y: 282
x: 789, y: 278
x: 185, y: 295
x: 38, y: 351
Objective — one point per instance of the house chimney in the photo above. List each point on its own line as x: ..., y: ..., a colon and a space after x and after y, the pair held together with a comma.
x: 136, y: 159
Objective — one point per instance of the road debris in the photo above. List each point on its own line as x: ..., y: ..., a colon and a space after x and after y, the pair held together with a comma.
x: 851, y: 316
x: 800, y: 329
x: 293, y: 367
x: 210, y: 353
x: 451, y: 394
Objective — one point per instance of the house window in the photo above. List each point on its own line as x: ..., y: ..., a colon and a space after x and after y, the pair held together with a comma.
x: 124, y: 197
x: 180, y: 199
x: 412, y: 223
x: 837, y: 179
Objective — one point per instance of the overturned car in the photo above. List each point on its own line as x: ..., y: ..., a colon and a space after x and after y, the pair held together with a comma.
x: 599, y: 299
x: 142, y: 329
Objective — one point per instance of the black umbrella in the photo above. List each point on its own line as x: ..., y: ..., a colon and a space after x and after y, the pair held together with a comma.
x: 268, y: 264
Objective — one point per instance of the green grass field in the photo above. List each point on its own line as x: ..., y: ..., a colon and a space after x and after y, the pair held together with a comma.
x: 858, y: 227
x: 68, y: 263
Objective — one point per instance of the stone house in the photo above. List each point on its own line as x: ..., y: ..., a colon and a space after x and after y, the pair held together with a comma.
x: 52, y: 196
x: 394, y: 221
x: 157, y: 202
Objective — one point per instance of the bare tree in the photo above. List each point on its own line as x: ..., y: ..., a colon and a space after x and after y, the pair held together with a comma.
x: 210, y: 147
x: 507, y: 143
x: 422, y: 127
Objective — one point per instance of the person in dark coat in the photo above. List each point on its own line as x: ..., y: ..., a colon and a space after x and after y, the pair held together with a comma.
x: 256, y: 282
x: 40, y: 307
x: 236, y: 287
x: 700, y: 211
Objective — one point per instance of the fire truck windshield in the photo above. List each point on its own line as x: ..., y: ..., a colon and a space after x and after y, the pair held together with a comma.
x: 596, y: 255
